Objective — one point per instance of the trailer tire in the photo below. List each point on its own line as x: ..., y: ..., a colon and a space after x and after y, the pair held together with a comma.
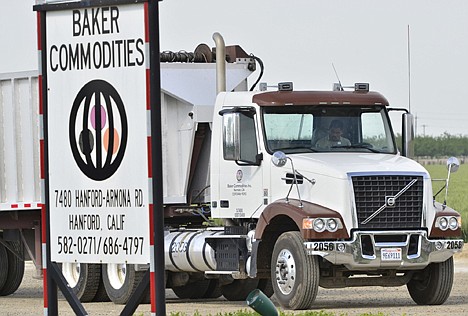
x: 15, y: 269
x: 294, y: 274
x: 120, y: 281
x: 4, y: 265
x: 433, y: 285
x: 101, y: 294
x: 238, y: 290
x: 83, y: 279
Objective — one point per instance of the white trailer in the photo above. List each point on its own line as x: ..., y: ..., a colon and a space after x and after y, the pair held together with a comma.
x: 20, y: 190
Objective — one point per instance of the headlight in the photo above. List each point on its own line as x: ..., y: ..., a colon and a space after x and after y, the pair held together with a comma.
x: 453, y: 223
x: 332, y: 225
x: 443, y: 223
x: 319, y: 225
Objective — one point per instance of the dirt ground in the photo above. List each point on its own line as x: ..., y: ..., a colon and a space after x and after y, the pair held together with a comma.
x: 352, y: 301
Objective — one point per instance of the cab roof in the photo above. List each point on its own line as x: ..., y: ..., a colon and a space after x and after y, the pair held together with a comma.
x: 282, y: 98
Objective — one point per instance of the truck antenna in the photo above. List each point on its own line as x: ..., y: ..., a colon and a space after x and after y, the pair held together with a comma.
x: 339, y: 82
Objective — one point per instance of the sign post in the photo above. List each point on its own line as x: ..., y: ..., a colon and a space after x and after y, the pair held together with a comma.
x: 101, y: 143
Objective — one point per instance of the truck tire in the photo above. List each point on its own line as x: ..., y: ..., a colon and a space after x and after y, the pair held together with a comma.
x: 192, y: 290
x: 120, y: 281
x: 15, y: 269
x: 101, y: 294
x: 214, y: 289
x: 433, y: 285
x: 266, y: 287
x: 294, y: 274
x: 238, y: 290
x: 3, y: 265
x: 83, y: 279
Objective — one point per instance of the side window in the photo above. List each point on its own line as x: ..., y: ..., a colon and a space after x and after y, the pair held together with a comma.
x: 373, y: 130
x: 248, y: 140
x: 239, y: 137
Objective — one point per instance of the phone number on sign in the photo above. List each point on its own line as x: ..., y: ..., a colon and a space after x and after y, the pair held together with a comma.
x: 100, y: 245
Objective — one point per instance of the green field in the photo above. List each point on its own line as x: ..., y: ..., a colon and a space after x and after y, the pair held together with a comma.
x: 458, y: 191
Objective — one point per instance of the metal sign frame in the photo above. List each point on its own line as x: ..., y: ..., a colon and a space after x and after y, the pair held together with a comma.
x: 154, y: 277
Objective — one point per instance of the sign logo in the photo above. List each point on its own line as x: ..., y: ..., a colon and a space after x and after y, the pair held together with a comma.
x: 98, y: 130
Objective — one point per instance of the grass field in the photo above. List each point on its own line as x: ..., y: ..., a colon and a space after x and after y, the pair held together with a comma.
x: 458, y: 191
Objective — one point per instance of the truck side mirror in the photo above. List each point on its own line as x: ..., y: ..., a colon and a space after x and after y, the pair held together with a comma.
x: 279, y: 158
x: 239, y: 137
x: 452, y: 164
x: 408, y: 135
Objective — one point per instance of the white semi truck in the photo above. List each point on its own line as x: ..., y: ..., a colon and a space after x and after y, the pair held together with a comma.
x: 252, y: 197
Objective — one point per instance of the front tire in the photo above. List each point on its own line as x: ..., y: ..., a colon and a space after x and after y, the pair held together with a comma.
x: 433, y: 285
x: 294, y: 274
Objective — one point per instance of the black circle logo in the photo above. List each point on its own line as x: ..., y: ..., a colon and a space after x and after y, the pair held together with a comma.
x: 98, y: 130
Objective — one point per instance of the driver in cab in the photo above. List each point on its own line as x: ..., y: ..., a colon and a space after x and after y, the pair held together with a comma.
x: 334, y: 138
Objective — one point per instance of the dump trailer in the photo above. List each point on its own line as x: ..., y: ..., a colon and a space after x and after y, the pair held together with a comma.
x: 285, y: 191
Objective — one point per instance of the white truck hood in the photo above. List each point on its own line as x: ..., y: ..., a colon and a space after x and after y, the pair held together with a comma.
x: 339, y: 165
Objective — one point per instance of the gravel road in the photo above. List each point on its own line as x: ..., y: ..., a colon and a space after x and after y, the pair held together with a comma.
x: 352, y: 301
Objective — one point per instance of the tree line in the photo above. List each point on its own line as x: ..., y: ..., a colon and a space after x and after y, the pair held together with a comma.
x: 439, y: 146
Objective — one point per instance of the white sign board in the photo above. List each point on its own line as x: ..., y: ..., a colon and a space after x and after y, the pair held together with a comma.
x: 97, y: 134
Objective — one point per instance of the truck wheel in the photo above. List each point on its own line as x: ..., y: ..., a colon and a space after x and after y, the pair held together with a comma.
x: 3, y: 265
x: 15, y: 269
x: 238, y: 290
x: 120, y: 281
x: 193, y: 290
x: 214, y: 289
x: 433, y: 285
x: 83, y: 279
x: 266, y: 287
x: 294, y: 274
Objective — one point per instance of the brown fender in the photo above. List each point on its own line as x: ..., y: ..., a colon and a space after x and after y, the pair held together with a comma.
x: 436, y: 232
x: 293, y: 210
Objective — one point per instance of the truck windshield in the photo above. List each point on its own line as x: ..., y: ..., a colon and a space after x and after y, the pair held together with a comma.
x: 301, y: 129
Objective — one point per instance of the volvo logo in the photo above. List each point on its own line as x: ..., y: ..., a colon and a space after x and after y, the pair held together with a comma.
x: 390, y: 201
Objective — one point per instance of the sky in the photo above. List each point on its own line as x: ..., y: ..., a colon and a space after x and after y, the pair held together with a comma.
x: 300, y: 40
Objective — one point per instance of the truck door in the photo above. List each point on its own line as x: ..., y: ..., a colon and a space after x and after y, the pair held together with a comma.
x: 240, y: 169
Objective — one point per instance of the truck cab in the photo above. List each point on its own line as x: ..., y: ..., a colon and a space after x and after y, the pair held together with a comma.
x: 318, y: 182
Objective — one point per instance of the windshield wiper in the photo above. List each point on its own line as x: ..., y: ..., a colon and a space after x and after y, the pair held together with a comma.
x: 359, y: 146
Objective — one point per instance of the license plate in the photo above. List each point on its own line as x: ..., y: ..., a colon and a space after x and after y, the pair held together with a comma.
x: 390, y: 254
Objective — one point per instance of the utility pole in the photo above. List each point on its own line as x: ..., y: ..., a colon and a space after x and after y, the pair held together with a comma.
x: 424, y: 129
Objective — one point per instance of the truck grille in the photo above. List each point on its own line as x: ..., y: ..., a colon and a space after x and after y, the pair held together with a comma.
x: 371, y: 192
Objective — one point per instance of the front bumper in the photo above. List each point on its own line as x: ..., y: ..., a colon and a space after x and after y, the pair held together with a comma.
x: 375, y: 250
